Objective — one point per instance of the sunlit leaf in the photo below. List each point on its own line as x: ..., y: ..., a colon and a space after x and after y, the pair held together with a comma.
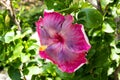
x: 7, y: 20
x: 89, y: 17
x: 9, y: 36
x: 34, y: 70
x: 107, y: 28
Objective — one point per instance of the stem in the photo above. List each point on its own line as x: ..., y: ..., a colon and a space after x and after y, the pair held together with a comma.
x: 117, y: 70
x: 63, y: 10
x: 117, y: 21
x: 8, y: 5
x: 98, y: 6
x: 20, y: 69
x: 91, y: 2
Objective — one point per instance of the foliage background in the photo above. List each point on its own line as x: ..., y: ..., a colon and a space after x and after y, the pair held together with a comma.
x: 19, y: 46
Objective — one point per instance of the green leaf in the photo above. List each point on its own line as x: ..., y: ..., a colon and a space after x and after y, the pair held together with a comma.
x: 109, y: 25
x: 1, y: 38
x: 55, y: 4
x: 9, y: 36
x: 1, y: 27
x: 58, y: 78
x: 17, y: 51
x: 72, y: 8
x: 87, y: 77
x: 102, y: 58
x: 89, y: 17
x: 1, y: 24
x: 104, y: 3
x: 1, y: 19
x: 107, y: 28
x: 7, y: 20
x: 2, y: 56
x: 24, y: 58
x: 14, y: 74
x: 16, y: 63
x: 34, y: 70
x: 63, y: 75
x: 68, y: 2
x: 49, y: 68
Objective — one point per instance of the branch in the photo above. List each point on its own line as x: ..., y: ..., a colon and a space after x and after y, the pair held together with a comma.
x: 3, y: 3
x: 117, y: 70
x: 97, y: 5
x: 8, y: 5
x: 91, y: 2
x: 21, y: 72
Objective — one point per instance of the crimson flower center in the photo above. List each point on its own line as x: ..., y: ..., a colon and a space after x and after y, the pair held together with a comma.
x: 59, y: 38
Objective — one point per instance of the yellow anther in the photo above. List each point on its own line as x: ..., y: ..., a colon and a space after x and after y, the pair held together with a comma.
x: 42, y: 47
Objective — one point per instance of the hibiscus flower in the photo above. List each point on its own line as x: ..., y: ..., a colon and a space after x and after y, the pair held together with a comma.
x: 63, y: 43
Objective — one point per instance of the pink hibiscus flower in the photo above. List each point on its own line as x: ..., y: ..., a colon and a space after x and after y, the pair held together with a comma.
x: 64, y: 43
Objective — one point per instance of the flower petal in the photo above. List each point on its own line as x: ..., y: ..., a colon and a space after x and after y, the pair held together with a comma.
x: 45, y: 38
x: 52, y: 52
x: 67, y: 23
x: 38, y: 24
x: 64, y: 43
x: 69, y: 61
x: 66, y: 60
x: 52, y: 22
x: 75, y: 38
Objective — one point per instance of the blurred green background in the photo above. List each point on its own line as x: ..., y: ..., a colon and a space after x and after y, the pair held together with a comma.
x: 19, y: 44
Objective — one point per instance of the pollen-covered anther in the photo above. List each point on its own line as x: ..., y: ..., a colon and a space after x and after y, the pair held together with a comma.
x: 42, y: 47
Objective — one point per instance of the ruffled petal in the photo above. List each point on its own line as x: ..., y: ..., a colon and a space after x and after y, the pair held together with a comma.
x: 52, y: 22
x: 52, y: 52
x: 45, y: 38
x: 69, y: 61
x: 67, y: 23
x: 75, y: 38
x: 38, y: 24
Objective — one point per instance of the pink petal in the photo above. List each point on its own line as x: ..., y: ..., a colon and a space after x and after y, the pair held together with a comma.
x: 43, y: 54
x: 45, y: 38
x: 67, y: 23
x: 66, y: 60
x: 38, y: 24
x: 70, y: 61
x: 52, y: 22
x: 75, y: 38
x: 52, y: 52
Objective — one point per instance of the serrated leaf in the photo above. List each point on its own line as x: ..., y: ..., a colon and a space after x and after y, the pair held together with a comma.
x: 89, y: 17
